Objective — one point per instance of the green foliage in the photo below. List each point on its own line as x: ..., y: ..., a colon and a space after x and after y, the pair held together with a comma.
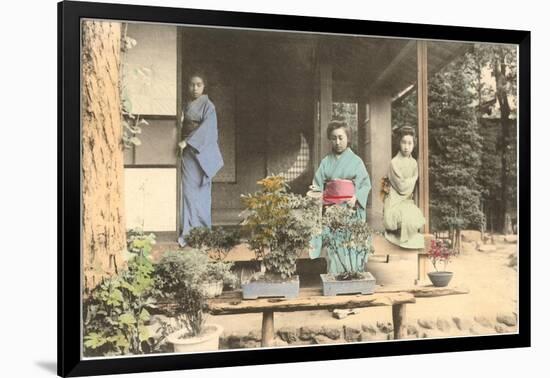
x: 216, y: 240
x: 496, y: 107
x: 179, y: 277
x: 117, y: 310
x: 138, y: 243
x: 198, y: 237
x: 347, y: 236
x: 466, y: 102
x: 455, y: 152
x: 280, y: 225
x: 131, y: 123
x: 218, y: 270
x: 216, y: 243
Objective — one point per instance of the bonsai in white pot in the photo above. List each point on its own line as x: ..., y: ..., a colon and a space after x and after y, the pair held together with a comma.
x: 179, y: 277
x: 216, y: 243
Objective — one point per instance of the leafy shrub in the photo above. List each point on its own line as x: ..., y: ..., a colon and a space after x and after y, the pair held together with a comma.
x: 280, y: 225
x: 179, y: 277
x: 117, y: 310
x: 215, y: 240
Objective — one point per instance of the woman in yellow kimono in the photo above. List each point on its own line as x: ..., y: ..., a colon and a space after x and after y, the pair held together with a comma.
x: 402, y: 218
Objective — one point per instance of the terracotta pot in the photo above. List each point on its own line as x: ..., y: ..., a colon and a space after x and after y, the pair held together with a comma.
x: 209, y: 340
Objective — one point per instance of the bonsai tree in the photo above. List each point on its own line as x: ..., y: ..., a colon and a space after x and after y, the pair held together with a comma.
x: 349, y: 240
x: 216, y: 243
x: 280, y: 225
x: 179, y: 278
x: 440, y: 251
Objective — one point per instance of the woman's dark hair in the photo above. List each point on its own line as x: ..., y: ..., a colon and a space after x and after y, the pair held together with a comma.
x: 334, y: 125
x: 198, y: 74
x: 406, y: 130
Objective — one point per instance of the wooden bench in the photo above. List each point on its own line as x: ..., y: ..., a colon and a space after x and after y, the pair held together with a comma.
x: 311, y: 299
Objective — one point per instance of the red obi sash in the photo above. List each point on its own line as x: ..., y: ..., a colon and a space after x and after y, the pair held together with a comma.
x: 338, y: 191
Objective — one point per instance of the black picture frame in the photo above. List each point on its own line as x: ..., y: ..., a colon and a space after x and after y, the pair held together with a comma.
x: 70, y: 13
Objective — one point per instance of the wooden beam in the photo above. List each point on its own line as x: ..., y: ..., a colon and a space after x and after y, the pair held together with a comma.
x: 325, y: 111
x: 316, y: 98
x: 179, y: 109
x: 391, y: 68
x: 231, y: 302
x: 379, y: 154
x: 428, y: 291
x: 423, y: 162
x: 362, y: 129
x: 224, y: 307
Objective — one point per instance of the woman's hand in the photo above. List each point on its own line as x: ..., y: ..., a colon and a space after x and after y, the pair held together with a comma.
x: 352, y: 201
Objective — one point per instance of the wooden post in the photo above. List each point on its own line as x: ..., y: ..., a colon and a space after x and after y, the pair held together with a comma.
x: 379, y: 152
x: 180, y: 87
x: 423, y: 177
x: 362, y: 140
x: 422, y: 268
x: 268, y: 328
x: 398, y: 315
x: 325, y: 109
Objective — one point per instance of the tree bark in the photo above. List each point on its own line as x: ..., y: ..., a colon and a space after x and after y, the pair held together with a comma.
x: 103, y: 221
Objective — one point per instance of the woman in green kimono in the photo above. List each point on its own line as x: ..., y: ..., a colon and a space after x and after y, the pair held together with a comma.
x: 402, y: 218
x: 340, y: 165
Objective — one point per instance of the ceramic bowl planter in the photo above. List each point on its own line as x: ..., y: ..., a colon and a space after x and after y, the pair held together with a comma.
x: 332, y: 286
x: 209, y: 340
x: 440, y: 279
x: 265, y: 289
x: 441, y: 251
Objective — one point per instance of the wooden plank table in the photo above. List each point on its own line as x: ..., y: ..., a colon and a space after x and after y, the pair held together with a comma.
x: 311, y: 299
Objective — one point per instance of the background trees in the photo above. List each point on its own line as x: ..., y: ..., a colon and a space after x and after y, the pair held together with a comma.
x: 471, y: 105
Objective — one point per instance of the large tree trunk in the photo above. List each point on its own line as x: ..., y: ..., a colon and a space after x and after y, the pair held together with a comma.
x: 499, y: 69
x: 102, y: 153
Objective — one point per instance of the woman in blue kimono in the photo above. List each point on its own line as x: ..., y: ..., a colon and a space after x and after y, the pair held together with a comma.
x: 341, y: 164
x: 201, y: 158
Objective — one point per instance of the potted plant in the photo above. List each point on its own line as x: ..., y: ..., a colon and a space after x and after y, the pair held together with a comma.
x: 117, y: 311
x: 440, y: 251
x: 348, y: 239
x: 216, y: 243
x: 179, y: 278
x: 280, y: 225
